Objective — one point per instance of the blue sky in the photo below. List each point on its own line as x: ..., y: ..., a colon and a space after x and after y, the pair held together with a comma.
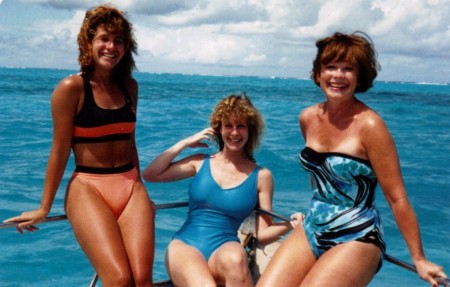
x: 268, y: 38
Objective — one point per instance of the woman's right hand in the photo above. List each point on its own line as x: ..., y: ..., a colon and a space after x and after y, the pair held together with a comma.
x: 196, y: 139
x: 164, y: 168
x: 28, y: 219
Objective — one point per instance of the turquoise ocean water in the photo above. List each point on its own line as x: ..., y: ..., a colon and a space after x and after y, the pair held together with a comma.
x: 172, y: 107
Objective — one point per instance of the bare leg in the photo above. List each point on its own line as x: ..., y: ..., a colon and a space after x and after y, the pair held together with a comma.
x: 348, y: 264
x: 98, y: 234
x: 228, y: 265
x: 137, y: 227
x: 187, y: 266
x: 290, y: 263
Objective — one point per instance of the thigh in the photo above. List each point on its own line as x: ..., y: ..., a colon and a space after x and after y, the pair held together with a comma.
x: 290, y: 263
x: 137, y: 227
x: 187, y: 266
x: 348, y: 264
x: 95, y: 228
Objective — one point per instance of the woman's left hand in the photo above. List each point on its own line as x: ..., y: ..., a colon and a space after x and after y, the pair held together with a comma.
x: 428, y: 271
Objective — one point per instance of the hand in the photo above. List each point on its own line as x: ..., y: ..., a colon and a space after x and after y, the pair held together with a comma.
x: 296, y: 219
x: 195, y: 140
x: 28, y: 219
x: 428, y: 271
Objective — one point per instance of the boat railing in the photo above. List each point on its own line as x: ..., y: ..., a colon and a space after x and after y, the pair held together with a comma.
x: 408, y: 266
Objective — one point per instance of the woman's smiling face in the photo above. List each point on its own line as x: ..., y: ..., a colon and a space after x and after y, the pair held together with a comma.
x: 338, y: 79
x: 234, y: 134
x: 107, y: 48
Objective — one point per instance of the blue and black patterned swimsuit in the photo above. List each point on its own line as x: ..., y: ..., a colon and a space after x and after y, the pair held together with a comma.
x: 342, y: 208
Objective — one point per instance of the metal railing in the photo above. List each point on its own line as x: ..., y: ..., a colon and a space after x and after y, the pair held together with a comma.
x: 441, y: 281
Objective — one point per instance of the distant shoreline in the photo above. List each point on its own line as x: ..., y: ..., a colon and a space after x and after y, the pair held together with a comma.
x: 72, y: 71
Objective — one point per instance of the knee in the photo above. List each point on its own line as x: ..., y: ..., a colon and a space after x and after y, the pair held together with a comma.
x: 117, y: 279
x: 236, y: 262
x: 143, y: 279
x: 237, y: 257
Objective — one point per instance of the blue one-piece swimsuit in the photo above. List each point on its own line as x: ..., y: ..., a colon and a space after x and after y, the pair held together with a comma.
x: 342, y: 208
x: 215, y: 214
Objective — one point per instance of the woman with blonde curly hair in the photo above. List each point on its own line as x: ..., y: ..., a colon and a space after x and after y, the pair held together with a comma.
x: 225, y: 188
x: 94, y: 115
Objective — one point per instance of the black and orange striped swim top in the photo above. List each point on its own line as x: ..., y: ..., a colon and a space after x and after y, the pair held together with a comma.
x: 94, y: 124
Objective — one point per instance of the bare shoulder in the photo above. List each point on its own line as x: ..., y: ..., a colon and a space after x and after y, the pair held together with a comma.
x: 374, y: 130
x: 307, y: 116
x: 265, y: 184
x: 265, y: 174
x: 71, y: 84
x: 310, y: 112
x: 371, y: 120
x: 265, y: 171
x: 68, y: 92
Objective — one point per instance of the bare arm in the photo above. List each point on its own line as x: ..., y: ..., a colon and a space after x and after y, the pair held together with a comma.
x: 383, y: 156
x: 163, y: 168
x: 268, y: 231
x: 302, y: 120
x: 64, y: 106
x: 133, y: 90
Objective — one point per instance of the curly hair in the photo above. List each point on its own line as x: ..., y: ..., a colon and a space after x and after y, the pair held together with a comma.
x: 239, y: 108
x: 356, y: 48
x: 113, y: 21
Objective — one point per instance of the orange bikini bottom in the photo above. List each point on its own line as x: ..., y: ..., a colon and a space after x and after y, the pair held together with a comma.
x: 113, y: 185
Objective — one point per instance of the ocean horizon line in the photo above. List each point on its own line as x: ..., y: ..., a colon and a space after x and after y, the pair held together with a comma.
x: 230, y: 76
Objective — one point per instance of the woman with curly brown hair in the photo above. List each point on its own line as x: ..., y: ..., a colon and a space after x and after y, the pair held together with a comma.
x: 94, y: 115
x: 225, y: 188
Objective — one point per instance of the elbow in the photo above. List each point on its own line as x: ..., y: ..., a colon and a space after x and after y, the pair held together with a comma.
x: 266, y: 239
x: 150, y: 176
x: 263, y: 241
x: 147, y: 176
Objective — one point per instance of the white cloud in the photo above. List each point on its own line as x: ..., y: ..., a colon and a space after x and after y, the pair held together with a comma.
x: 202, y: 44
x: 67, y: 4
x: 253, y: 58
x: 413, y: 27
x: 253, y: 36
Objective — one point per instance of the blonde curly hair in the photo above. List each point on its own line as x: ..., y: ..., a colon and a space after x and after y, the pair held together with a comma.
x: 239, y: 108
